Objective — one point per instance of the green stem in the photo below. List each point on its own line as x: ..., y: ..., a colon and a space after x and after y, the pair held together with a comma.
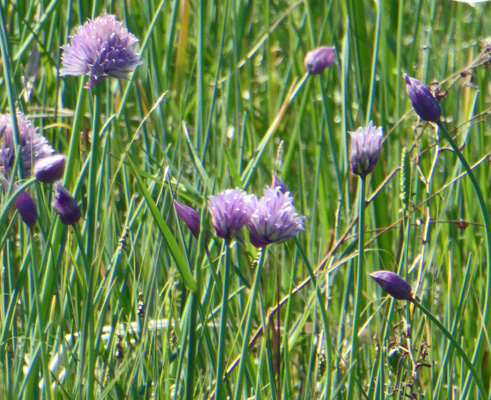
x: 457, y: 346
x: 223, y: 326
x: 74, y: 139
x: 194, y: 298
x: 93, y: 169
x: 250, y: 317
x: 358, y: 289
x: 487, y: 227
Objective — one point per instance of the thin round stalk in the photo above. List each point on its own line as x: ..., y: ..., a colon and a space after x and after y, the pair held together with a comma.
x: 487, y: 227
x: 250, y: 317
x: 223, y: 326
x: 93, y: 170
x: 358, y: 289
x: 457, y: 346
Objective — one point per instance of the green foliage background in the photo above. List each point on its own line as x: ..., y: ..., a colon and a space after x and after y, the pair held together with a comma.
x: 221, y: 101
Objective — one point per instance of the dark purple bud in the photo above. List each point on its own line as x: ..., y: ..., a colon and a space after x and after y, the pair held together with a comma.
x: 27, y: 208
x: 189, y: 216
x: 393, y: 284
x: 50, y: 169
x: 278, y: 183
x: 66, y: 206
x: 424, y: 103
x: 317, y: 60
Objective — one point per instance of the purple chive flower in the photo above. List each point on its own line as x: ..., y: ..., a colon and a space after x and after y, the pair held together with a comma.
x: 277, y: 182
x: 230, y: 210
x: 27, y: 208
x: 424, y: 103
x: 32, y: 146
x: 275, y: 219
x: 317, y: 60
x: 101, y: 48
x: 50, y: 169
x: 66, y: 206
x: 189, y: 216
x: 393, y: 284
x: 365, y: 149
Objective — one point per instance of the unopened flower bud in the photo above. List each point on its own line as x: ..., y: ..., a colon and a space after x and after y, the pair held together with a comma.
x: 50, y: 169
x: 189, y: 216
x: 66, y: 206
x: 393, y: 284
x: 278, y: 183
x: 27, y: 208
x: 423, y: 101
x: 317, y: 60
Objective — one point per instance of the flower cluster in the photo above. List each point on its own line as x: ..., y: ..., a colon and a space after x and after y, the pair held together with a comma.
x: 275, y: 219
x: 38, y: 159
x: 33, y: 146
x: 365, y: 149
x: 101, y: 48
x: 270, y: 219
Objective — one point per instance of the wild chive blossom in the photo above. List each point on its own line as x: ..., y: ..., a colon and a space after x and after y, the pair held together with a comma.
x: 101, y: 48
x: 33, y: 146
x: 393, y: 284
x: 317, y: 60
x: 50, y: 169
x: 230, y: 210
x: 365, y: 149
x: 66, y: 206
x: 189, y: 216
x: 275, y: 219
x: 277, y: 182
x: 424, y: 103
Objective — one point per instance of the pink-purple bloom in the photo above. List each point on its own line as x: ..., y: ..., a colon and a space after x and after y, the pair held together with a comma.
x: 66, y: 206
x: 230, y: 210
x: 101, y: 48
x: 33, y: 147
x: 393, y: 284
x: 423, y: 101
x: 50, y: 169
x: 275, y: 219
x: 365, y: 149
x: 189, y: 216
x: 317, y: 60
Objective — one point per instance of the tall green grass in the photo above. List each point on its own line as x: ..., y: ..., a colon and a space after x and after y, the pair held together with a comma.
x: 129, y: 304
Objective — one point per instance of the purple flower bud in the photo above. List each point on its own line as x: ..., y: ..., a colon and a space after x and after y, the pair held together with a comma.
x: 66, y: 206
x: 393, y: 284
x: 424, y: 103
x: 365, y: 149
x: 230, y: 210
x: 27, y: 208
x: 278, y: 183
x: 275, y: 219
x: 189, y: 216
x: 50, y: 169
x: 101, y: 48
x: 317, y: 60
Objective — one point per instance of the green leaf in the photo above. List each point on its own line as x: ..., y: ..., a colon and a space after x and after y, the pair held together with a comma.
x: 180, y: 260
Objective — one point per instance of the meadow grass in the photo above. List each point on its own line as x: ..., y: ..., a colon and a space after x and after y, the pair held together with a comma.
x: 129, y: 304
